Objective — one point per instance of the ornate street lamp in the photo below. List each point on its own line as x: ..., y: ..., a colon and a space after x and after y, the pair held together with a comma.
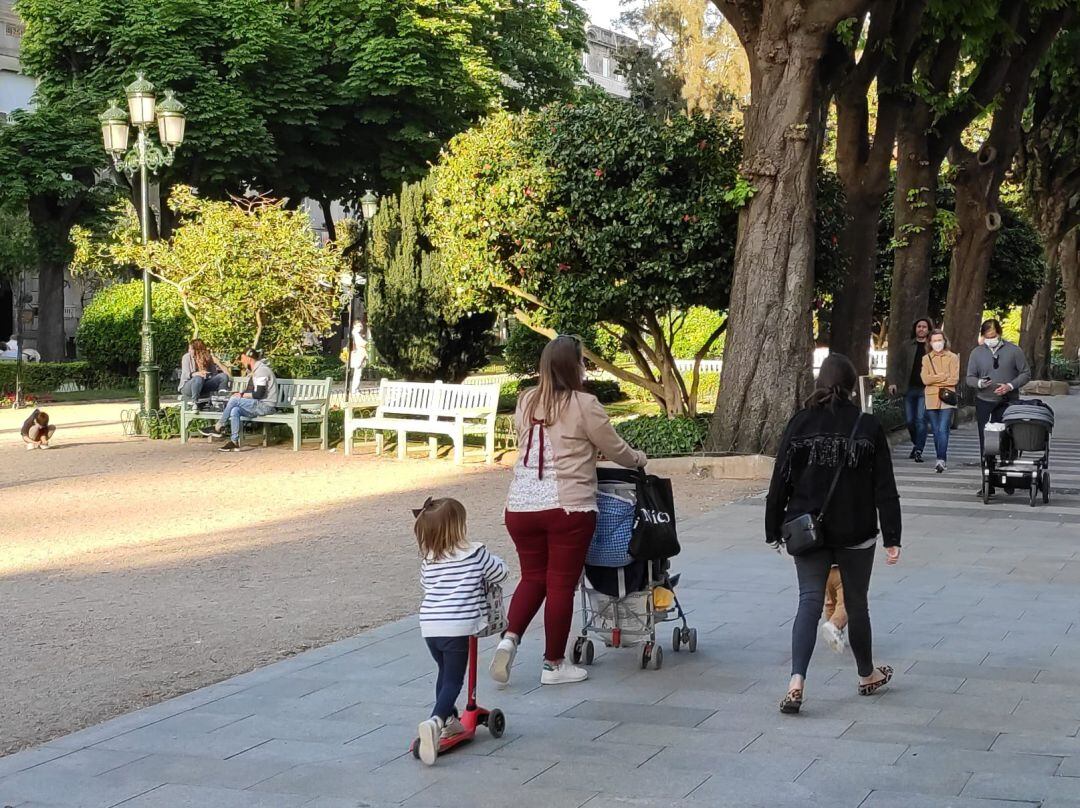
x: 144, y: 112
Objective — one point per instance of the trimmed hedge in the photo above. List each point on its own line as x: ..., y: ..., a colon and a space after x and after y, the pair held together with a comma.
x: 660, y: 436
x: 605, y: 390
x: 109, y: 336
x: 46, y: 377
x: 308, y: 366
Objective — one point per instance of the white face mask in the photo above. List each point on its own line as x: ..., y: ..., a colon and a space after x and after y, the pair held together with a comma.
x: 991, y: 342
x: 938, y: 346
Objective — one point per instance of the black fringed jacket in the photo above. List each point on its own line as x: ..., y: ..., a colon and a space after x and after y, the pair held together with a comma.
x: 815, y: 441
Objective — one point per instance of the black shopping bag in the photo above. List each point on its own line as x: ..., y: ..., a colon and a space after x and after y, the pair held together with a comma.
x: 654, y: 536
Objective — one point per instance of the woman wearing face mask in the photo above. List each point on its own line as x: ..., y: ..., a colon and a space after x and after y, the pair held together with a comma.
x: 940, y: 374
x: 997, y: 369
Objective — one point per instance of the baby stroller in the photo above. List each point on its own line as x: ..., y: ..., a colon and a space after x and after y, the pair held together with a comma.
x: 624, y: 599
x: 1016, y: 452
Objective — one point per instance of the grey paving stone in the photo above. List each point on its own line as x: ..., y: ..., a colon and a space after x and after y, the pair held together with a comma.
x: 199, y: 721
x: 828, y: 777
x: 323, y: 731
x: 618, y: 781
x: 455, y: 793
x: 941, y: 756
x: 810, y: 723
x: 903, y: 733
x: 235, y: 773
x: 631, y: 732
x: 750, y: 764
x: 603, y: 749
x: 908, y: 799
x: 185, y: 796
x: 89, y: 762
x: 781, y: 743
x: 751, y: 794
x: 641, y: 713
x: 70, y: 791
x: 979, y: 672
x: 312, y: 752
x: 29, y: 758
x: 152, y: 739
x: 1032, y: 787
x: 343, y: 780
x: 1037, y: 743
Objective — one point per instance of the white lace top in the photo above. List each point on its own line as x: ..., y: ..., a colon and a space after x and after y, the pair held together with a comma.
x: 535, y: 484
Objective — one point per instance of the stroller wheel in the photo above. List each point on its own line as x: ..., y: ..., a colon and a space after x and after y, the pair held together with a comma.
x: 646, y: 655
x: 1046, y: 487
x: 1033, y: 493
x: 590, y: 650
x: 657, y: 658
x: 676, y: 639
x: 575, y: 655
x: 692, y: 642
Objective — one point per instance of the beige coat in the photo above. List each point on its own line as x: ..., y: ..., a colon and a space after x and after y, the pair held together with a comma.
x: 582, y: 429
x: 940, y: 371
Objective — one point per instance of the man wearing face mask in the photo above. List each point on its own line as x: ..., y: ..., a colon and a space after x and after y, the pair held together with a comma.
x: 996, y: 370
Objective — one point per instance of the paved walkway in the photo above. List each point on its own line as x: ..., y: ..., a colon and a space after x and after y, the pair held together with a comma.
x: 980, y: 620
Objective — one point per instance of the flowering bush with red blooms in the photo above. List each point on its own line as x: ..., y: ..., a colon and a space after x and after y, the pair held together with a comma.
x: 29, y: 400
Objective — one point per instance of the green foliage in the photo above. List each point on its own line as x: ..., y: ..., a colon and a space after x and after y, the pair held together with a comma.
x: 248, y: 274
x: 607, y: 391
x: 508, y: 395
x: 109, y: 335
x: 308, y: 366
x: 413, y: 323
x: 45, y: 377
x: 693, y: 328
x: 18, y: 247
x: 1017, y: 266
x: 1062, y: 368
x: 889, y: 410
x: 596, y: 212
x: 661, y: 436
x: 522, y: 350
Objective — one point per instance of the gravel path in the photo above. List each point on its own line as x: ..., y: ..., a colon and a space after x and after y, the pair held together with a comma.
x: 132, y: 571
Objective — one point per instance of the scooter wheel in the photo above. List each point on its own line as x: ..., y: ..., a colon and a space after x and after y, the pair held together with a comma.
x: 496, y: 724
x: 415, y: 749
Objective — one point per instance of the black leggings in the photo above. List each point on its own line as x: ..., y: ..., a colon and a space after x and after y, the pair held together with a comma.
x: 813, y: 571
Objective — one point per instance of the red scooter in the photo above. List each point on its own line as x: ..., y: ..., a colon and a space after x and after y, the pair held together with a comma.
x: 473, y: 716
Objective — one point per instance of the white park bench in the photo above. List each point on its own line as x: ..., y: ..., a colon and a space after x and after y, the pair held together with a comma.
x: 430, y: 408
x: 299, y: 402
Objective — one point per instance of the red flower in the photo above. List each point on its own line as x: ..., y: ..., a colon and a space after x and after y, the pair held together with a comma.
x: 686, y: 217
x: 703, y: 144
x: 598, y: 172
x: 834, y: 240
x: 564, y: 267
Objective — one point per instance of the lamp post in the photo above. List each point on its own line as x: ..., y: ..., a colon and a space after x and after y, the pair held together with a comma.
x: 369, y: 206
x: 144, y: 158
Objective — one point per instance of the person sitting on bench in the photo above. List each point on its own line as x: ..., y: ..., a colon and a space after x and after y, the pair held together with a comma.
x: 258, y: 398
x: 201, y: 373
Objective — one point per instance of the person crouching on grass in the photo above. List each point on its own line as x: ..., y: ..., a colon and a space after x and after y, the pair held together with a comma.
x: 36, y: 430
x: 453, y: 573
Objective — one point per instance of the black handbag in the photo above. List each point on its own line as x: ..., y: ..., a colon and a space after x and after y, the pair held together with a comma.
x: 654, y: 536
x: 806, y: 533
x: 946, y: 395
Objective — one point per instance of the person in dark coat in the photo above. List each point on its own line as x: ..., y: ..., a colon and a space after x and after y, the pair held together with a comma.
x: 817, y: 441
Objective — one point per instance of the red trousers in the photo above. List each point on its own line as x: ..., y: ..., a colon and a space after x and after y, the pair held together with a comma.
x: 551, y: 546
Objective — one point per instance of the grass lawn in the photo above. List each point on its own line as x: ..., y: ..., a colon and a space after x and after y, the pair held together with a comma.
x: 96, y: 395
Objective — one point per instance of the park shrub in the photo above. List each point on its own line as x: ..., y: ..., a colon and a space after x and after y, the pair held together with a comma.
x: 508, y: 395
x: 45, y: 377
x: 308, y: 366
x: 606, y: 391
x: 1062, y: 369
x: 109, y: 336
x: 661, y: 436
x: 889, y: 410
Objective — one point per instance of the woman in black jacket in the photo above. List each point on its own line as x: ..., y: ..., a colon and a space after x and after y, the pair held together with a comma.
x: 816, y: 442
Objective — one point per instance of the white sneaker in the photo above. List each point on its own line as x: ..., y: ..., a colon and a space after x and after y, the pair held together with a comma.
x: 940, y: 467
x: 44, y: 446
x: 562, y: 674
x: 833, y: 637
x: 429, y: 732
x: 452, y: 727
x: 30, y: 447
x: 505, y: 652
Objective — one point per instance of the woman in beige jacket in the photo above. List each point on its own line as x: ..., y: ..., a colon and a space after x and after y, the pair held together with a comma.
x: 551, y: 508
x: 940, y: 371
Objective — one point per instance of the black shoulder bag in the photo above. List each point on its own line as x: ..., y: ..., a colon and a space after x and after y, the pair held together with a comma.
x: 806, y: 533
x: 946, y: 394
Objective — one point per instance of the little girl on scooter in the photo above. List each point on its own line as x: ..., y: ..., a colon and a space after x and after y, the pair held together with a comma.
x: 453, y: 574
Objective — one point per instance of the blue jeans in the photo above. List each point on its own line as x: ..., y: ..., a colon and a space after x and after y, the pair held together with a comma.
x: 940, y: 423
x: 915, y: 415
x: 237, y: 408
x: 451, y: 654
x: 197, y: 387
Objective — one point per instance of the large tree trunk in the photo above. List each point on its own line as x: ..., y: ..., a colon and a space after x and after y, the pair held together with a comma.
x: 915, y: 205
x: 853, y: 311
x: 767, y: 356
x: 51, y: 341
x: 978, y: 224
x: 1069, y: 263
x: 1037, y: 322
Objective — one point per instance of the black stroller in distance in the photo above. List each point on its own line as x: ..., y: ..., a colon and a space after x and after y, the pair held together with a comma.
x: 1016, y: 452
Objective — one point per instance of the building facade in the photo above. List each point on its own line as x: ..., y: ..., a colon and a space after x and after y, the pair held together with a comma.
x: 600, y: 59
x: 16, y: 92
